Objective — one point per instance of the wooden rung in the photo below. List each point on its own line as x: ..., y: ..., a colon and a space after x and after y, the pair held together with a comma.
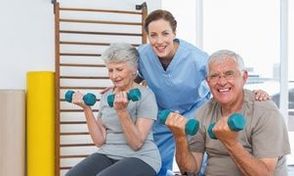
x: 80, y: 54
x: 99, y: 10
x: 73, y: 156
x: 83, y: 65
x: 79, y: 87
x: 73, y: 122
x: 100, y: 22
x: 74, y: 133
x: 77, y: 145
x: 99, y: 33
x: 76, y: 110
x: 88, y: 43
x: 84, y: 77
x: 83, y: 43
x: 65, y: 168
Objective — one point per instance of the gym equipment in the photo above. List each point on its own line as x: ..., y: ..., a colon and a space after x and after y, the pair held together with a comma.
x: 191, y: 127
x: 89, y: 99
x: 133, y: 94
x: 40, y: 123
x: 236, y: 122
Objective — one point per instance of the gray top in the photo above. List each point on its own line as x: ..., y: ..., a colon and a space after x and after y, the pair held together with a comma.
x: 264, y: 136
x: 116, y: 146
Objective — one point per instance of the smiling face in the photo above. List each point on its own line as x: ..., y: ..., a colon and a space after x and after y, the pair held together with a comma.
x: 161, y: 37
x: 121, y: 74
x: 226, y: 81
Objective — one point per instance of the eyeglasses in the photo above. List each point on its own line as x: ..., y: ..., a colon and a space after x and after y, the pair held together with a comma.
x: 228, y: 75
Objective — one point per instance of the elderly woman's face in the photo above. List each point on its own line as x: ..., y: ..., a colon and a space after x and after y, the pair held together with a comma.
x: 121, y: 74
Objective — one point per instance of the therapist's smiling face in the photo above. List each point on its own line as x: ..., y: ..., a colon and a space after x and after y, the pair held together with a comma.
x: 161, y: 37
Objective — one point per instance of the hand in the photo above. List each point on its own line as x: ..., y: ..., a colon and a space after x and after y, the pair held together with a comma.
x: 223, y: 132
x: 261, y: 95
x: 176, y: 123
x: 77, y: 99
x: 120, y: 101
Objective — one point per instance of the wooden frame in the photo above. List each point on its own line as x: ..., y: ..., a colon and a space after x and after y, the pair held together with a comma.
x: 74, y: 46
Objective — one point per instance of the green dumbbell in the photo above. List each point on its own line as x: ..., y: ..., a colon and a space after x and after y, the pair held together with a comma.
x: 89, y: 99
x: 236, y: 122
x: 133, y: 94
x: 191, y: 127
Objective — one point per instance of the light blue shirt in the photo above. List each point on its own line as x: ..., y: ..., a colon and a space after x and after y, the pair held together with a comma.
x: 182, y: 86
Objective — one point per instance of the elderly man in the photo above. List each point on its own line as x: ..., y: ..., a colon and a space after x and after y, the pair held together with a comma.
x: 259, y: 149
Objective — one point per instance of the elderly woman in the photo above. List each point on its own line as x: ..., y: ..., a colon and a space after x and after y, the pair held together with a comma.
x: 122, y: 131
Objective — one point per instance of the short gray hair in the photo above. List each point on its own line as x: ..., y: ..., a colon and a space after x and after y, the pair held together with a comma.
x: 221, y: 55
x: 121, y: 52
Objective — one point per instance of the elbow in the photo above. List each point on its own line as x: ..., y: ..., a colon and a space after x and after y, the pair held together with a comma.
x: 185, y: 169
x: 267, y: 173
x: 137, y: 146
x: 98, y: 143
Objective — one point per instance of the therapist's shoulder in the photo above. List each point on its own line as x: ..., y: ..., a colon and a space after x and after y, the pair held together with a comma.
x: 192, y: 49
x: 144, y: 48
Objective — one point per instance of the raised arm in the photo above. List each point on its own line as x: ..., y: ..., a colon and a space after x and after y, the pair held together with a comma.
x: 135, y: 132
x: 246, y: 162
x: 188, y: 162
x: 96, y: 129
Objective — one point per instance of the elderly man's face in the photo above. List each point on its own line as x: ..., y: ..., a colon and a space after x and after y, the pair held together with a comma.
x: 226, y: 81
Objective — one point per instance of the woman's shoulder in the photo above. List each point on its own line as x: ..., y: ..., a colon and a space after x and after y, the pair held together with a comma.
x: 192, y: 49
x: 143, y: 89
x: 144, y: 48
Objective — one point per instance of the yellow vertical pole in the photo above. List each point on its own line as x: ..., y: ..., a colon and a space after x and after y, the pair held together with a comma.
x: 40, y: 123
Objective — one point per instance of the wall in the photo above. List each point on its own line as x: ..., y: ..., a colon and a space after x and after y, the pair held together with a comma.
x: 27, y: 35
x: 186, y: 19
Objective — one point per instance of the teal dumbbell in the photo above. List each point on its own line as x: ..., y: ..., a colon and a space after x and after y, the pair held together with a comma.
x: 236, y: 122
x: 89, y: 99
x: 191, y: 127
x: 133, y: 94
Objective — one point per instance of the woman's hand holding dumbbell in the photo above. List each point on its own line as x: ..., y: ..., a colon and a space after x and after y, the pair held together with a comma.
x: 79, y: 99
x: 120, y: 101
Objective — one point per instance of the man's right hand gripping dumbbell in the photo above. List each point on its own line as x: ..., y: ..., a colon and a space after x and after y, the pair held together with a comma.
x: 89, y: 99
x: 173, y: 119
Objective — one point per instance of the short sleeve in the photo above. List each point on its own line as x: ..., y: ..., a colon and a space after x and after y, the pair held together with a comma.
x: 270, y: 136
x: 147, y: 107
x: 197, y: 142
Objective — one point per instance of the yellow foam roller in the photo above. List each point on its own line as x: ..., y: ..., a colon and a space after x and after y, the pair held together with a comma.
x: 40, y: 123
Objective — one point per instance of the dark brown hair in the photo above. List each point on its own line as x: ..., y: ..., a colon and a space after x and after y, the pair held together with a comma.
x: 160, y: 14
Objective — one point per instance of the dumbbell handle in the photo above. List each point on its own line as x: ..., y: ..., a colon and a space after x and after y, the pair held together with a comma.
x: 89, y: 99
x: 191, y: 126
x: 236, y: 122
x: 133, y: 94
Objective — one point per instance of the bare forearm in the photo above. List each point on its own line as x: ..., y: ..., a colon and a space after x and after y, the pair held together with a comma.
x: 131, y: 132
x: 248, y: 165
x: 96, y: 129
x: 184, y: 158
